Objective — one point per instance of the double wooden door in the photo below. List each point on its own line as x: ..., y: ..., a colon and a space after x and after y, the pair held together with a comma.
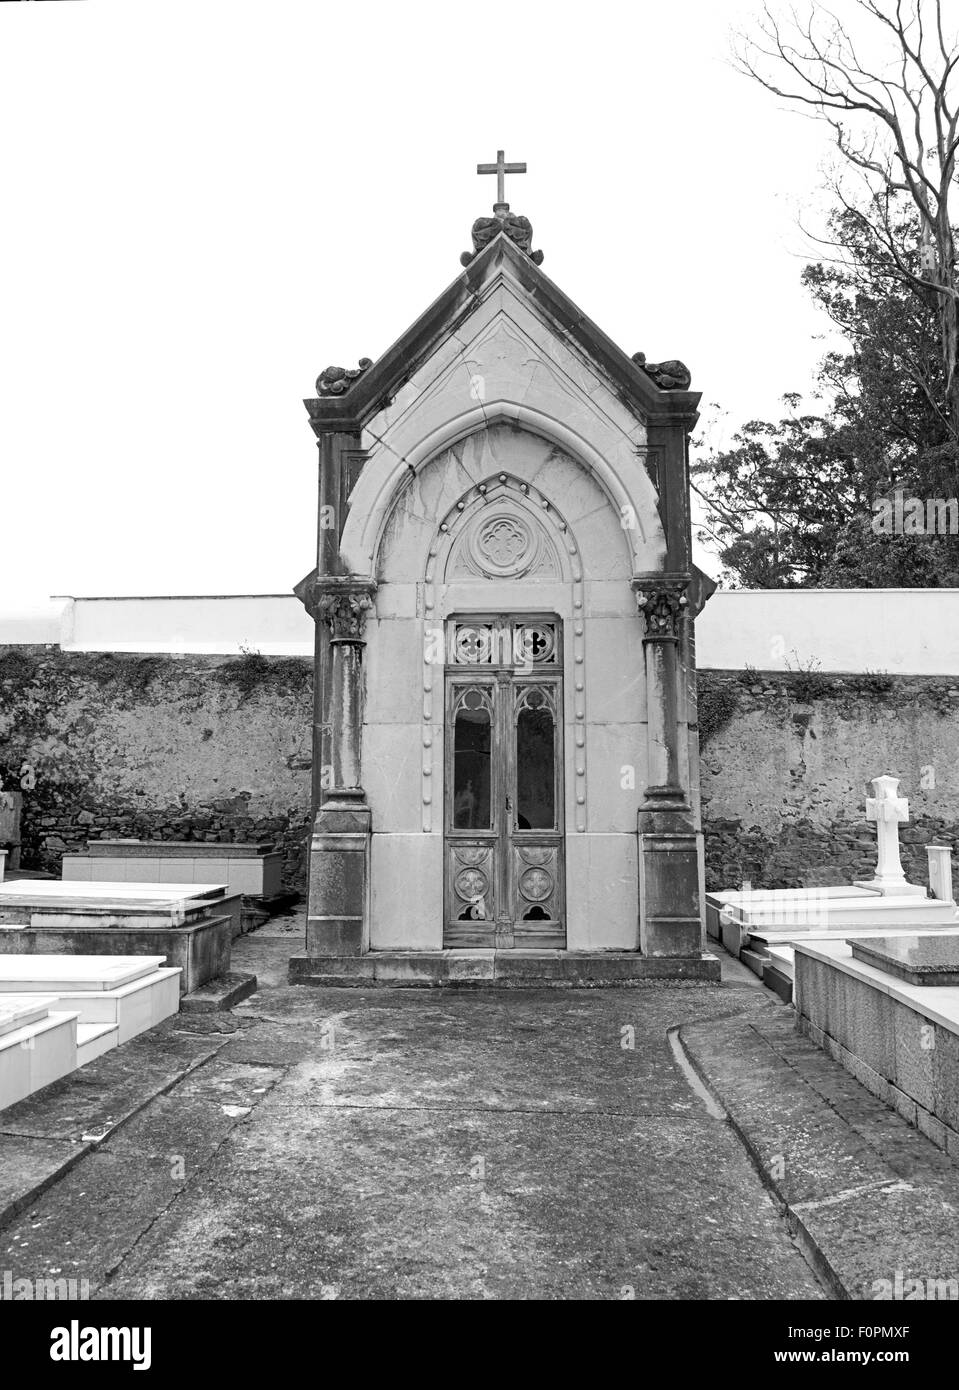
x: 503, y: 786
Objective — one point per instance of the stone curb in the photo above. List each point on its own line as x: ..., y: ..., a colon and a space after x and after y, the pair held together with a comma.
x: 864, y: 1194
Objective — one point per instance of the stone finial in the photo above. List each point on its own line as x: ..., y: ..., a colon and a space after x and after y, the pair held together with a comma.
x: 334, y: 381
x: 668, y: 376
x: 518, y: 229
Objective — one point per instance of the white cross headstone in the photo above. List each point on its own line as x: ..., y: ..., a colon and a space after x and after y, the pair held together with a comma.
x: 888, y: 809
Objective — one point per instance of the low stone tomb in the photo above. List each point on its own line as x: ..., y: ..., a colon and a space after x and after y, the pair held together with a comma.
x: 252, y: 869
x: 38, y: 1044
x: 919, y: 960
x: 887, y: 1008
x: 795, y: 903
x: 191, y: 925
x: 59, y: 1012
x: 753, y: 923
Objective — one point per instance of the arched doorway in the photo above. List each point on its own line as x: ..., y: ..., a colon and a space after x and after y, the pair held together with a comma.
x: 503, y: 783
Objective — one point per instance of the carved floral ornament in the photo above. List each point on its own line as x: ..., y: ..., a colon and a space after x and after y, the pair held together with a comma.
x: 661, y: 605
x: 336, y: 381
x: 519, y: 230
x: 344, y: 607
x: 668, y: 376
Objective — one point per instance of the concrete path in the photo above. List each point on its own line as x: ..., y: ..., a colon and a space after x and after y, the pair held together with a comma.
x: 407, y: 1144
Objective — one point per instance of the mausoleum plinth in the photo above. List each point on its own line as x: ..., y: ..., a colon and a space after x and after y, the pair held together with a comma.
x: 512, y: 969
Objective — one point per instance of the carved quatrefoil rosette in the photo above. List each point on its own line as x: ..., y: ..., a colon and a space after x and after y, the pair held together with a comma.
x: 473, y: 645
x: 503, y: 545
x: 471, y: 883
x: 535, y: 885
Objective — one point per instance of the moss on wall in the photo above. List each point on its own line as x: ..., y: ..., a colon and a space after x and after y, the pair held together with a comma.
x: 786, y: 761
x: 158, y: 747
x: 218, y: 749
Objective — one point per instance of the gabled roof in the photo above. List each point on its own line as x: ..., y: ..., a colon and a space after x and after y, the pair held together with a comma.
x: 375, y: 387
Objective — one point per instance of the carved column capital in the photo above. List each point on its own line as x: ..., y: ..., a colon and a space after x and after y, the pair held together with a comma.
x: 661, y: 600
x: 343, y: 602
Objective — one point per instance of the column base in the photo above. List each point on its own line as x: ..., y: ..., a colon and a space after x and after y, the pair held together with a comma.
x: 670, y: 875
x: 338, y: 915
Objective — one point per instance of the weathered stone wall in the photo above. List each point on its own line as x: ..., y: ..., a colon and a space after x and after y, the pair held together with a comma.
x: 216, y: 749
x: 786, y: 762
x: 156, y: 747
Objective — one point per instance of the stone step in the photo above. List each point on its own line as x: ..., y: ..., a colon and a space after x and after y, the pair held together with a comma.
x: 755, y: 960
x: 779, y: 982
x: 513, y: 969
x: 132, y: 1008
x: 36, y: 1055
x: 93, y: 1039
x: 219, y: 994
x: 782, y: 958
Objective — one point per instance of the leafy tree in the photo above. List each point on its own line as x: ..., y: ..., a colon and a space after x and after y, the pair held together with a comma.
x: 793, y: 503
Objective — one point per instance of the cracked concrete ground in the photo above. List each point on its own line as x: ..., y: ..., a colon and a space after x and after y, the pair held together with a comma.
x: 391, y: 1144
x: 408, y: 1144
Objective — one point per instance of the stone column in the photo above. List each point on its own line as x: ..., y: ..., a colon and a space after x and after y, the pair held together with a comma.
x: 670, y: 847
x: 338, y: 913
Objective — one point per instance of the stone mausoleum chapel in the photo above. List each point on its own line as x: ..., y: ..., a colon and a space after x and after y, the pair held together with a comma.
x: 505, y: 761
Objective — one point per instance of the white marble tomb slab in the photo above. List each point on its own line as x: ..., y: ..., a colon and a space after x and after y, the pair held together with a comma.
x: 17, y: 1012
x: 51, y: 974
x: 884, y: 911
x: 47, y: 890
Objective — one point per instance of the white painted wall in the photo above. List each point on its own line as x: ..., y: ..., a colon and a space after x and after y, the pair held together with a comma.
x: 901, y: 631
x: 273, y: 624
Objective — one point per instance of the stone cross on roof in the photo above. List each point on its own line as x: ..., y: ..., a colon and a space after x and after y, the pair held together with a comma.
x: 501, y: 169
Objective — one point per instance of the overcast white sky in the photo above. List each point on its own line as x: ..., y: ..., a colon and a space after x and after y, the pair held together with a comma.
x: 205, y: 202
